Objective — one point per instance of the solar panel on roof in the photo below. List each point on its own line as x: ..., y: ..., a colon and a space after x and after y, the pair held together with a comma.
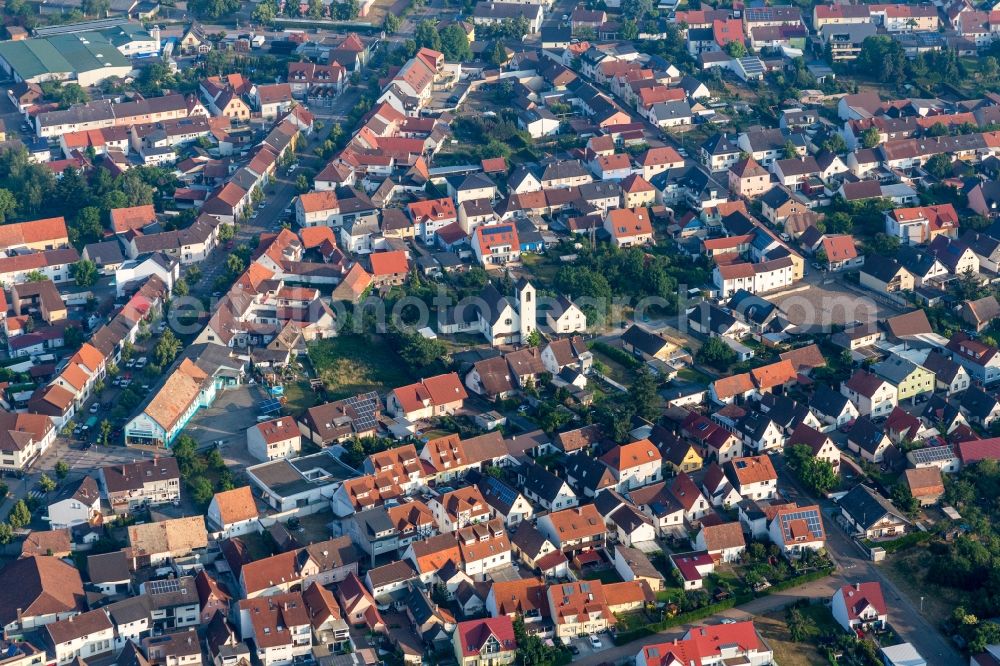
x: 932, y: 454
x: 502, y: 491
x: 364, y: 405
x: 164, y: 586
x: 269, y: 406
x: 811, y: 517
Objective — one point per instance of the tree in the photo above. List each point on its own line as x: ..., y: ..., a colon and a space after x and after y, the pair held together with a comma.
x: 789, y: 151
x: 62, y: 469
x: 455, y: 44
x: 630, y: 30
x: 883, y: 244
x: 8, y: 204
x: 716, y: 354
x: 201, y: 490
x: 265, y: 12
x: 46, y: 483
x: 167, y: 348
x: 35, y: 276
x: 214, y: 8
x: 498, y: 54
x: 181, y: 287
x: 20, y: 515
x: 835, y: 144
x: 939, y: 166
x: 96, y: 7
x: 235, y: 265
x: 838, y: 223
x: 427, y: 36
x: 736, y: 49
x: 316, y: 9
x: 391, y: 23
x: 818, y: 475
x: 6, y: 534
x: 302, y: 184
x: 989, y: 68
x: 86, y: 226
x: 227, y: 232
x: 904, y: 499
x: 870, y: 137
x: 105, y: 432
x: 4, y: 491
x: 84, y: 273
x: 642, y: 394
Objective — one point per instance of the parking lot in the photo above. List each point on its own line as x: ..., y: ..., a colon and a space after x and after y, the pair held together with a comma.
x: 821, y: 302
x: 582, y: 645
x: 227, y: 420
x: 87, y: 460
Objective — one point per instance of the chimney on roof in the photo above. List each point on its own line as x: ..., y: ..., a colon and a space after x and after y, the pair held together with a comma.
x: 857, y: 586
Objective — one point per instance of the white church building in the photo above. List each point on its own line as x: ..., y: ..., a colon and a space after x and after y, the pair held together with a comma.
x: 501, y: 319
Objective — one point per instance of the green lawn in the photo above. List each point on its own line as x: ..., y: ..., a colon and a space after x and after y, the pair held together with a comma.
x: 786, y: 651
x: 352, y: 364
x: 604, y: 575
x: 694, y: 376
x: 299, y: 396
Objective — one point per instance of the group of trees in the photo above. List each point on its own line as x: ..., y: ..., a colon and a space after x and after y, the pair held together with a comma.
x: 64, y: 94
x: 604, y: 272
x: 884, y: 59
x: 716, y: 354
x: 418, y: 352
x: 817, y: 475
x: 615, y: 412
x: 195, y: 468
x: 451, y: 41
x: 30, y: 190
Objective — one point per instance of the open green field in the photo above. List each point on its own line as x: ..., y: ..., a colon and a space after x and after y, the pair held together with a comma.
x: 352, y: 364
x: 786, y: 651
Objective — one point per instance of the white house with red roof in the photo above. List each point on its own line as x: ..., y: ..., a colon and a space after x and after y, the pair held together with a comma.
x: 274, y: 439
x: 488, y: 641
x: 840, y: 252
x: 434, y: 396
x: 693, y: 567
x: 872, y: 395
x: 860, y: 606
x: 921, y: 224
x: 635, y: 464
x: 711, y: 645
x: 628, y: 227
x: 496, y: 245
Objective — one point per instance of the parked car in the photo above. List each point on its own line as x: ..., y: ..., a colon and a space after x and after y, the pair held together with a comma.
x: 595, y: 642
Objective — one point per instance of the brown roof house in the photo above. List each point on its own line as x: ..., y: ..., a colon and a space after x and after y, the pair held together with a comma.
x: 153, y: 543
x: 37, y: 590
x: 925, y: 484
x: 724, y: 542
x: 980, y: 313
x: 325, y: 562
x: 149, y: 482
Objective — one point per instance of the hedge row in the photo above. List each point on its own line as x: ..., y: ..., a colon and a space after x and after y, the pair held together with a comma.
x: 621, y: 638
x: 903, y: 542
x: 615, y: 354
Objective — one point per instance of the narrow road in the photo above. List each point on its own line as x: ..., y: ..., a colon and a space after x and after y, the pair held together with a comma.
x: 904, y: 616
x: 853, y: 566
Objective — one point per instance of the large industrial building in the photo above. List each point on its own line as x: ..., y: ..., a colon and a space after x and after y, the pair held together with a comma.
x: 85, y: 57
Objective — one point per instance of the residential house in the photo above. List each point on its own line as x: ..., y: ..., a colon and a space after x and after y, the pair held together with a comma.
x: 860, y: 607
x: 870, y: 515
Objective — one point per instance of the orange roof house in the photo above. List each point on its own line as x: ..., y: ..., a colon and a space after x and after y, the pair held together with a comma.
x: 389, y: 267
x: 47, y: 233
x: 441, y: 394
x: 354, y: 285
x: 776, y: 374
x: 839, y: 250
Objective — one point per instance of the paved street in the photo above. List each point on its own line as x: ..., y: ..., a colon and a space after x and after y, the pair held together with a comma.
x: 852, y: 566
